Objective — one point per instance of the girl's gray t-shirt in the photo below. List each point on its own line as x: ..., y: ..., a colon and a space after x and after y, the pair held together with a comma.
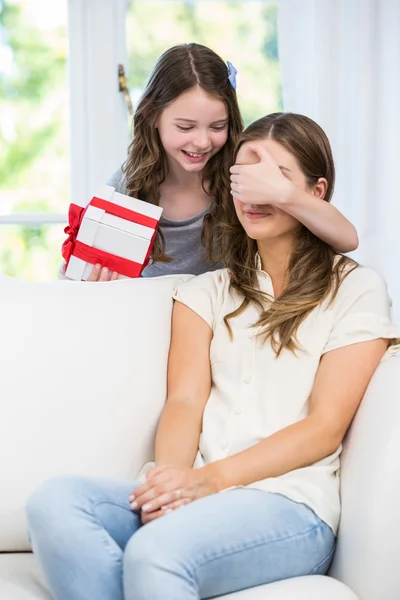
x: 182, y: 242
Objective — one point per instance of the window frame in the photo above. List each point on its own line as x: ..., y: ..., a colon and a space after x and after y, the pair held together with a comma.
x: 96, y: 46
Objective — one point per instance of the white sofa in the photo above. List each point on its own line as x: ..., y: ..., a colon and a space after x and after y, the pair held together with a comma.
x: 82, y: 376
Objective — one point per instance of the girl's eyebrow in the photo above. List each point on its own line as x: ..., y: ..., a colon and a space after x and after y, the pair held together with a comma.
x: 192, y: 121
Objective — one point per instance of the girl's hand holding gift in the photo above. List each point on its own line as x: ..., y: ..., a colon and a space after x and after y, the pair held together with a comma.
x: 169, y: 487
x: 98, y: 273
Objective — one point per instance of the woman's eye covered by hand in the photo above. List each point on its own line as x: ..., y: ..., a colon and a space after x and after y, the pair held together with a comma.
x: 260, y: 183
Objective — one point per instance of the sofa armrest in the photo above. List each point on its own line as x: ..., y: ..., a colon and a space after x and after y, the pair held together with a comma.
x: 369, y: 542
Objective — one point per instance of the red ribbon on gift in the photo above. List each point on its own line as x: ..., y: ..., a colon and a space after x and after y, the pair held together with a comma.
x: 72, y: 246
x: 125, y: 213
x: 123, y: 266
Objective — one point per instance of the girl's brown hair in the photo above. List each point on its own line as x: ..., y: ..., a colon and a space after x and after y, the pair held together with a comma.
x: 315, y: 270
x: 178, y: 70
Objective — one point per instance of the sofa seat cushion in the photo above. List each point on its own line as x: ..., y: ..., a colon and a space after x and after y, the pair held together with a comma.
x: 21, y: 579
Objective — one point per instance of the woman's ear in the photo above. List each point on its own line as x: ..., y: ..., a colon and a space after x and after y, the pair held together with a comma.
x: 319, y: 189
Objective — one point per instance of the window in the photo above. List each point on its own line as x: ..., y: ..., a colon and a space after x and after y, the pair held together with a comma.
x: 34, y: 134
x: 245, y: 33
x: 43, y: 167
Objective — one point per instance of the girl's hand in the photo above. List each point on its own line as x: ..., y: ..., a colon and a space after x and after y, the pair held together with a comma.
x: 262, y: 182
x: 97, y: 274
x: 102, y: 274
x: 171, y: 487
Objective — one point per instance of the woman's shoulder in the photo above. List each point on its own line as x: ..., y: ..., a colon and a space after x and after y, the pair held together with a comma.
x: 212, y: 281
x: 362, y: 286
x: 203, y: 294
x: 357, y: 278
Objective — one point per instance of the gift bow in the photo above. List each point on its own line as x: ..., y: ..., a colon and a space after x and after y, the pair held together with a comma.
x: 72, y: 246
x: 75, y: 216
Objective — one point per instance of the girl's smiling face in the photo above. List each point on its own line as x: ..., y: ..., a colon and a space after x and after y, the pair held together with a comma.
x: 192, y: 129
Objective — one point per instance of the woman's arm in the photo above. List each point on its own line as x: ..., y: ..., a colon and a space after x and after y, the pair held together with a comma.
x: 264, y: 183
x: 189, y: 384
x: 336, y: 395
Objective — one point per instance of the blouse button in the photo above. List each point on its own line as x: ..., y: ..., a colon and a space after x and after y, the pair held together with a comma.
x: 238, y: 411
x: 247, y: 379
x: 224, y: 445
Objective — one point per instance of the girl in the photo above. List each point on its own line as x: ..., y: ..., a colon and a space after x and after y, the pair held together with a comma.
x: 260, y: 395
x: 186, y: 127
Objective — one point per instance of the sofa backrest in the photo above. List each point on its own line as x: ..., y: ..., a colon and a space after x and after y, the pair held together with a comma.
x: 82, y: 384
x: 368, y: 548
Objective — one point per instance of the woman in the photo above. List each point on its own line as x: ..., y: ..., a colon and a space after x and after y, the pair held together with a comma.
x: 260, y: 395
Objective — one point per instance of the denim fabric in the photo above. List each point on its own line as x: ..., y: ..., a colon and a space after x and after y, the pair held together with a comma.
x: 91, y: 545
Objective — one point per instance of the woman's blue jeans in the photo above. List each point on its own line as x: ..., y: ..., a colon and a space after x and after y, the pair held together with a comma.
x: 91, y: 545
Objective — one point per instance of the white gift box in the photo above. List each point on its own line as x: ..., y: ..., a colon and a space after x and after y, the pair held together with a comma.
x: 113, y: 234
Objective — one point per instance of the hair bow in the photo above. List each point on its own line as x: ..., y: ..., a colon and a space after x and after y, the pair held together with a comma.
x: 232, y: 74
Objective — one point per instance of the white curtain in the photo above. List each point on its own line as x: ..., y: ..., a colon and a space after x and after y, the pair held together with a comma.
x: 340, y: 62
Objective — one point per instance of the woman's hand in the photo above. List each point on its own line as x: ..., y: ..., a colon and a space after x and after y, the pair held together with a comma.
x: 97, y: 274
x: 147, y: 517
x: 169, y: 487
x: 262, y: 182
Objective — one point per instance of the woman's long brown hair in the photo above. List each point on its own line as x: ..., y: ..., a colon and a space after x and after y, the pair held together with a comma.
x: 178, y: 70
x: 315, y: 270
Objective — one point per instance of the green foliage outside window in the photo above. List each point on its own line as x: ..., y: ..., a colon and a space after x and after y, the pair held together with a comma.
x: 34, y: 146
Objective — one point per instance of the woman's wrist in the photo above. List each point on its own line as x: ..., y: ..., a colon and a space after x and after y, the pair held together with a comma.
x: 214, y: 476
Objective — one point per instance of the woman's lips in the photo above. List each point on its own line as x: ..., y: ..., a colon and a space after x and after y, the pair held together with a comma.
x: 255, y: 215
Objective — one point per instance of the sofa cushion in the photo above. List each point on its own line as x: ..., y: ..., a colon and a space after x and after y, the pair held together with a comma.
x: 368, y: 543
x: 20, y: 579
x: 83, y: 381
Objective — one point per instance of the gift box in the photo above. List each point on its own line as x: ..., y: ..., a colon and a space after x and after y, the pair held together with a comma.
x: 114, y: 230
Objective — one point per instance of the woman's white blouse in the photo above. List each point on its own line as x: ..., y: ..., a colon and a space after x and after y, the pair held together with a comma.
x: 254, y: 393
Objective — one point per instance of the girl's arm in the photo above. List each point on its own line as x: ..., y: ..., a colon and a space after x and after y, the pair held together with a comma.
x: 189, y: 385
x: 264, y: 183
x: 322, y: 218
x: 334, y: 400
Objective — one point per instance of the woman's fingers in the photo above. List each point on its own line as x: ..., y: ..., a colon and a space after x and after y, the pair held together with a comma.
x: 148, y: 517
x: 174, y: 505
x: 114, y: 276
x: 168, y: 508
x: 147, y: 494
x: 158, y: 501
